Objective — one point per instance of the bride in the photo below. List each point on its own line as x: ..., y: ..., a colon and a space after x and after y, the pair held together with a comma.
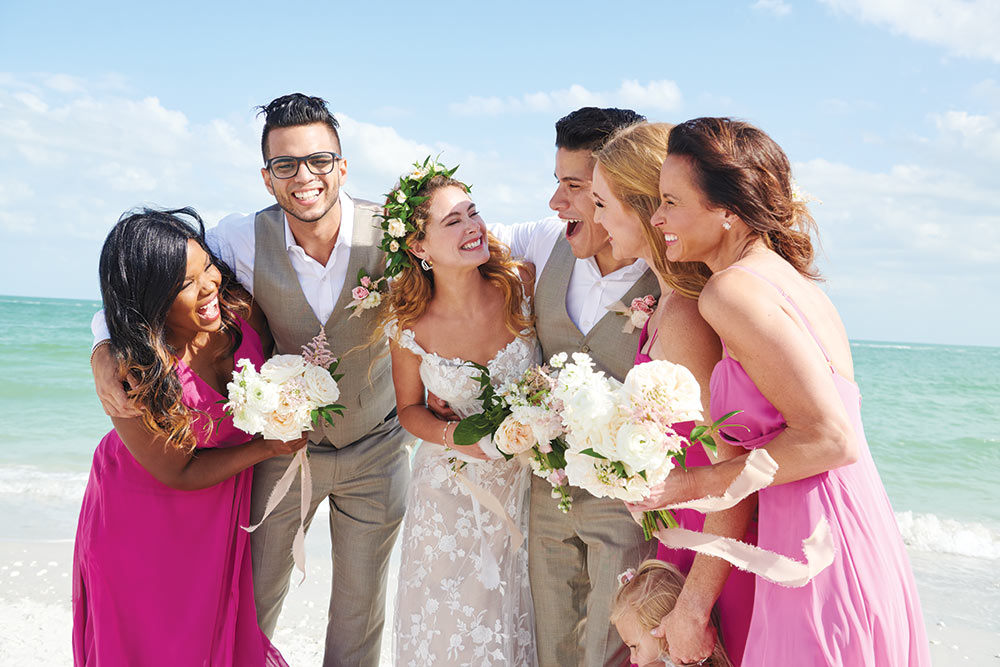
x: 463, y: 595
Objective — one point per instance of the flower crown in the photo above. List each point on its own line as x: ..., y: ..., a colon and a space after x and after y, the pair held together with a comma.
x: 626, y: 576
x: 397, y: 220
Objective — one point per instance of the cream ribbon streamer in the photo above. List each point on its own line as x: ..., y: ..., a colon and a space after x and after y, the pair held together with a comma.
x: 299, y: 462
x: 758, y: 472
x: 817, y: 548
x: 490, y: 574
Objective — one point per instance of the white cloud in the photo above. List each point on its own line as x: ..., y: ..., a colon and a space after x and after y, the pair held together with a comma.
x: 776, y: 7
x: 662, y: 95
x: 976, y: 133
x: 925, y: 216
x: 966, y: 27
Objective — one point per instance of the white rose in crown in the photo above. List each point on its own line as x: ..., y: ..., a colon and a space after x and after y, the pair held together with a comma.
x: 514, y: 437
x: 320, y: 385
x: 666, y: 383
x: 397, y: 229
x: 282, y: 367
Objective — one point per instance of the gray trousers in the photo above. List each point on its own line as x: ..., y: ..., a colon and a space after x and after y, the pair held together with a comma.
x: 573, y: 562
x: 365, y: 483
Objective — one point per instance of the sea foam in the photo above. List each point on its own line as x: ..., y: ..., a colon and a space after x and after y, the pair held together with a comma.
x: 928, y: 532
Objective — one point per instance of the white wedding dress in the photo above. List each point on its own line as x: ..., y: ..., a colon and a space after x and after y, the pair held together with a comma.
x: 463, y: 596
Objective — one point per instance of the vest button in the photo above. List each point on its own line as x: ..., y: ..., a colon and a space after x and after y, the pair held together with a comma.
x: 585, y: 349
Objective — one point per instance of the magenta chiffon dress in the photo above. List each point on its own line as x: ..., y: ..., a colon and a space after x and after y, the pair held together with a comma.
x: 736, y: 600
x: 861, y: 610
x: 162, y: 576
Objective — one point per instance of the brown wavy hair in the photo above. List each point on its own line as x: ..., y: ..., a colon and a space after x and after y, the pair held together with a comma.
x: 631, y: 159
x: 412, y: 289
x: 651, y: 594
x: 739, y: 168
x: 142, y: 268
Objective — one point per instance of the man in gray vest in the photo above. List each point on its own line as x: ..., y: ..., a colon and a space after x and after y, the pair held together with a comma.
x: 575, y: 558
x: 299, y: 259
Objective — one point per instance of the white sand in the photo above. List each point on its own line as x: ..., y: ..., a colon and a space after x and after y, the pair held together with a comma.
x: 35, y: 617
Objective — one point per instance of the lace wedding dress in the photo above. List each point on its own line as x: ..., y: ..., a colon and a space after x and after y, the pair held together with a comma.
x: 463, y: 596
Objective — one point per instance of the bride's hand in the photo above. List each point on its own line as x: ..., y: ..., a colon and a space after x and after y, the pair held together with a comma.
x: 472, y: 451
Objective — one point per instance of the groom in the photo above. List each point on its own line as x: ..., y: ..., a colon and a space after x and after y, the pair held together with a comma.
x: 575, y: 558
x: 299, y: 259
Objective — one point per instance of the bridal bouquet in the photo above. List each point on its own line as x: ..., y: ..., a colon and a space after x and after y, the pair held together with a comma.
x: 523, y: 421
x: 288, y: 396
x: 621, y: 437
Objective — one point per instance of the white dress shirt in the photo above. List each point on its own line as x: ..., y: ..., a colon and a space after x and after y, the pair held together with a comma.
x: 234, y: 242
x: 589, y: 293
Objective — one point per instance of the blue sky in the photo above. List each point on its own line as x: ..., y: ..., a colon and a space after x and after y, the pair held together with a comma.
x: 889, y: 111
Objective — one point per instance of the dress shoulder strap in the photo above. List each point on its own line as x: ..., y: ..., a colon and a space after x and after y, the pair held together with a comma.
x: 802, y: 316
x: 404, y: 338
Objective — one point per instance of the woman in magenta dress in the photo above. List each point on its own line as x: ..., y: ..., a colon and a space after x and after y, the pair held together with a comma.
x: 161, y: 568
x: 625, y: 187
x: 727, y: 200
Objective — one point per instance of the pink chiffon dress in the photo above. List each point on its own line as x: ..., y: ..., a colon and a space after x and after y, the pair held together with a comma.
x: 736, y: 600
x: 861, y: 610
x: 162, y: 576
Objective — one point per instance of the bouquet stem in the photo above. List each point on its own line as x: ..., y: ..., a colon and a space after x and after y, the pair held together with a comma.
x: 652, y: 521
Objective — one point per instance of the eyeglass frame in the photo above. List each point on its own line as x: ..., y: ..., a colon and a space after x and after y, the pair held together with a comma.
x: 299, y: 161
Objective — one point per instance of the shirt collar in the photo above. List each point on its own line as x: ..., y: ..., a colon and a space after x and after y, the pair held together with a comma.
x: 629, y: 273
x: 346, y: 232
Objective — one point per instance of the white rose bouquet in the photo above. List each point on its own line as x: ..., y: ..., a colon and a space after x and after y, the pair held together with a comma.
x: 524, y: 422
x: 621, y: 438
x: 290, y: 395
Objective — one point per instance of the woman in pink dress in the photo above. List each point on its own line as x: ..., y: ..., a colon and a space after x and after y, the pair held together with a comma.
x: 626, y: 194
x: 727, y: 199
x: 161, y: 568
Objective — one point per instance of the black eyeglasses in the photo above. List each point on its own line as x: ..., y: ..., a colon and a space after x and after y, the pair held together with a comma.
x: 286, y: 166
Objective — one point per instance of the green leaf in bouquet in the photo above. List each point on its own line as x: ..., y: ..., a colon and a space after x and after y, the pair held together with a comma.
x: 619, y: 468
x: 470, y: 431
x: 709, y: 442
x: 697, y: 432
x: 590, y: 452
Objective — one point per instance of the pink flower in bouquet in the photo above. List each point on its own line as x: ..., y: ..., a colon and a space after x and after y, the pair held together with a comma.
x: 366, y: 282
x: 360, y: 293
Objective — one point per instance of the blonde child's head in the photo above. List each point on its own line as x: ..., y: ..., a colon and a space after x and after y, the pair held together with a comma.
x: 646, y: 595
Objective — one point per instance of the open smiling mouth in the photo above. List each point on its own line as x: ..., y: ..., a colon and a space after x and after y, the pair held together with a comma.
x: 572, y: 227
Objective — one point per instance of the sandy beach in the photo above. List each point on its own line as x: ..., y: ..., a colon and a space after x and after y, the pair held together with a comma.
x: 36, y: 619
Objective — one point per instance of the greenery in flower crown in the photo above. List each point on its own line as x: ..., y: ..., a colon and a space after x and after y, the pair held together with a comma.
x: 400, y: 203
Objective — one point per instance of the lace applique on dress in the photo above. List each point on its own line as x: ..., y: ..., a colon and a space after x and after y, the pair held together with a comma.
x: 463, y: 596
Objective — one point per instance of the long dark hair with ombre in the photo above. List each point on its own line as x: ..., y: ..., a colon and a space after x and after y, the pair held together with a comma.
x: 413, y: 287
x: 142, y: 268
x: 739, y: 168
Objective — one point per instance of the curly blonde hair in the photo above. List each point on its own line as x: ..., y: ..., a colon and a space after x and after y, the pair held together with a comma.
x: 631, y: 159
x: 651, y: 594
x: 412, y: 289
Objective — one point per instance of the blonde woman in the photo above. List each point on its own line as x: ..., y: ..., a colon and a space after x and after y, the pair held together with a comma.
x: 626, y: 184
x: 464, y: 596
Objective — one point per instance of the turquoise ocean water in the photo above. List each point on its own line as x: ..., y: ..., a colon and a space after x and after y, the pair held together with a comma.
x: 931, y: 414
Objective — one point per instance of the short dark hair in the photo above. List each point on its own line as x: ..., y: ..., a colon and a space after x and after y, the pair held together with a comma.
x: 292, y: 110
x: 588, y: 128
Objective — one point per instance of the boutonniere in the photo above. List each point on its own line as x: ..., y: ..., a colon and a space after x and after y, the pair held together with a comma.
x: 637, y: 313
x: 368, y: 293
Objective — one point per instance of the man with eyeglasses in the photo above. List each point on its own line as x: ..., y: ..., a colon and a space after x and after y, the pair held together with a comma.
x: 299, y: 258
